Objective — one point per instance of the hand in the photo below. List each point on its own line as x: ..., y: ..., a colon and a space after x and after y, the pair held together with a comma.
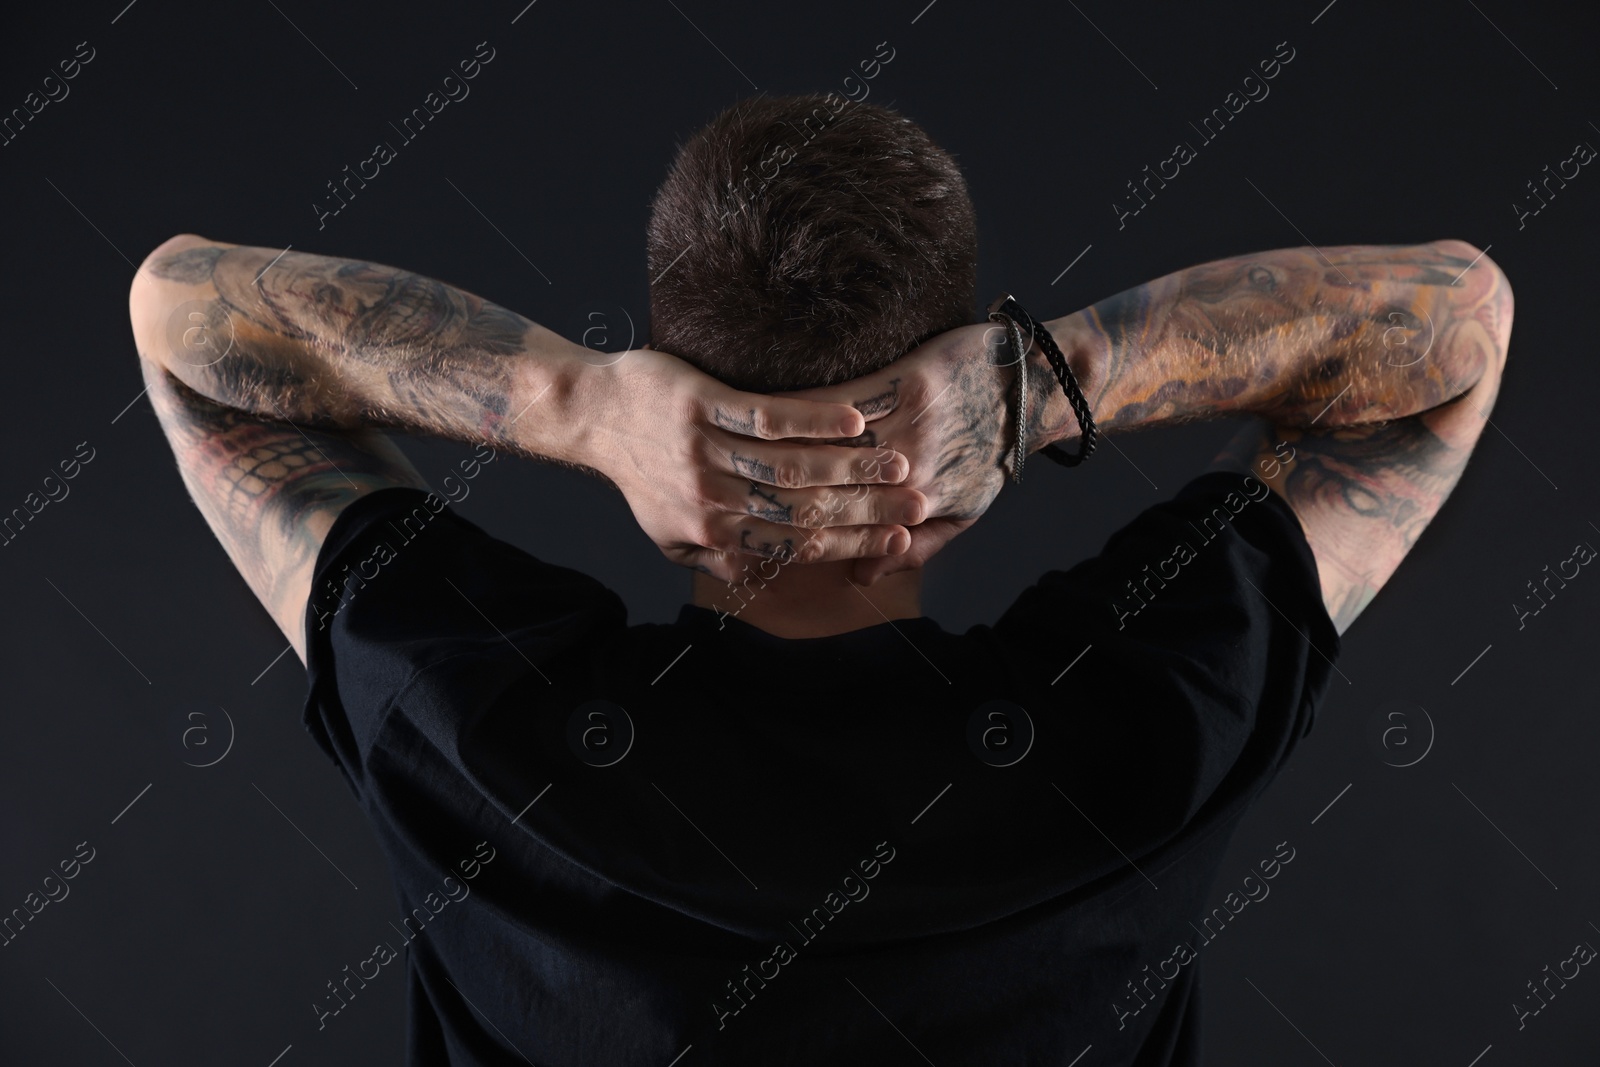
x: 714, y: 474
x: 945, y: 406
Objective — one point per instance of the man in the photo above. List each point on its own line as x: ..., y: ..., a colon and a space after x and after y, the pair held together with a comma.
x: 804, y: 821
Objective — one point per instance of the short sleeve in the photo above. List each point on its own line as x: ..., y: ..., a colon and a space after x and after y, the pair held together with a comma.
x: 404, y: 584
x: 1203, y: 633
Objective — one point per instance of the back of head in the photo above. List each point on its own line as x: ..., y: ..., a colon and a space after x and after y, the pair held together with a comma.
x: 803, y: 241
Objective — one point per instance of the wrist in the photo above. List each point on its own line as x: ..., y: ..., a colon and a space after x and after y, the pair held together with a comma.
x: 1051, y: 420
x: 554, y: 404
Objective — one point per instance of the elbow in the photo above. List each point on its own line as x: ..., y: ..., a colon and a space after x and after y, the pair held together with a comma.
x: 165, y: 260
x: 1484, y: 289
x: 1504, y: 305
x: 1483, y: 308
x: 152, y: 297
x: 144, y: 313
x: 176, y: 243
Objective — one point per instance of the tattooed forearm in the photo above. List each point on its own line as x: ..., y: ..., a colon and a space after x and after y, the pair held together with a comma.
x: 1341, y: 336
x: 338, y: 343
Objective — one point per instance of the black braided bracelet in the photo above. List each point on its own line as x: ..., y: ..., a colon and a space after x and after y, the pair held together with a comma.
x: 1005, y: 307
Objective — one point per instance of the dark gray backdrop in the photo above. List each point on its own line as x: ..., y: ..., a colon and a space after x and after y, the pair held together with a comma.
x: 1421, y: 899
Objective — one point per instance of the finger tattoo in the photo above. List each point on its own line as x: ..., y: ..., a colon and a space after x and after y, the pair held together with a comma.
x: 885, y: 401
x: 745, y: 424
x: 751, y: 467
x: 866, y: 439
x: 783, y: 552
x: 772, y: 510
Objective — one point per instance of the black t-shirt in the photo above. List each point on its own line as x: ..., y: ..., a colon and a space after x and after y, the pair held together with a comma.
x: 615, y: 843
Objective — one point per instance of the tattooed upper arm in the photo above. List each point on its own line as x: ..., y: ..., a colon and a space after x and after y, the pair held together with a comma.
x: 1363, y: 495
x: 271, y: 490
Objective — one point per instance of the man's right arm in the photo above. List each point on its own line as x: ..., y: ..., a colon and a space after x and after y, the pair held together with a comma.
x: 1372, y: 370
x: 338, y: 345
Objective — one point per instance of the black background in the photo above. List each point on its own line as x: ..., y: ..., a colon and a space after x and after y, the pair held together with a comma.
x: 1418, y: 905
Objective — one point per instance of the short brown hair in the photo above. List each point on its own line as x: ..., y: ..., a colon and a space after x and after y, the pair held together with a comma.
x: 802, y: 241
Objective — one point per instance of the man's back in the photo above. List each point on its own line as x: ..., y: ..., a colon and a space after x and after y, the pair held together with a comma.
x: 776, y: 850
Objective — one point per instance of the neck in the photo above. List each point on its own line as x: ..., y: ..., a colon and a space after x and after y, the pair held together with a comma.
x: 814, y: 600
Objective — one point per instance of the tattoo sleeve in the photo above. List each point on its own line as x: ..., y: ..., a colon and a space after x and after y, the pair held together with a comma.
x: 1332, y: 337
